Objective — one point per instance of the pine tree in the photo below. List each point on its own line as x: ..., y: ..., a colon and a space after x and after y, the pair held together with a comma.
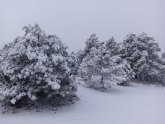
x: 141, y: 52
x: 91, y: 42
x: 34, y: 70
x: 101, y: 67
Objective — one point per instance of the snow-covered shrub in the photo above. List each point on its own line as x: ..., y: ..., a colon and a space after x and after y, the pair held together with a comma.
x: 101, y: 68
x: 34, y: 70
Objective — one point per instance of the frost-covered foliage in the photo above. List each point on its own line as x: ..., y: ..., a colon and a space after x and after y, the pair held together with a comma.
x: 102, y: 67
x: 141, y: 52
x: 73, y: 63
x: 162, y: 70
x: 163, y: 55
x: 34, y: 70
x: 112, y: 46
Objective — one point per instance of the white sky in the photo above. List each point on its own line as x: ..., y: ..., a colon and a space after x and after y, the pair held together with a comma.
x: 74, y: 20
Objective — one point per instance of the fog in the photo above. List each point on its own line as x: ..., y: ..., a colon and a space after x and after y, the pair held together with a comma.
x: 74, y: 20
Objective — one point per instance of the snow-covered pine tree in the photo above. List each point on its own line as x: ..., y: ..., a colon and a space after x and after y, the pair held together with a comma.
x: 34, y: 70
x: 141, y: 52
x: 101, y: 68
x: 91, y: 42
x: 113, y: 48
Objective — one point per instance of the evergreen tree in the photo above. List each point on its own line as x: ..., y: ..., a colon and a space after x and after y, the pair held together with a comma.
x: 91, y: 42
x: 34, y: 70
x: 142, y: 53
x: 101, y: 67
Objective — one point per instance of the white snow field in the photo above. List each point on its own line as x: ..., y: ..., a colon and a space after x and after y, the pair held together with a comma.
x: 136, y: 104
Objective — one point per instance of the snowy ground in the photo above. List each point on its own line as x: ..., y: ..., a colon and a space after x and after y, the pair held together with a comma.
x: 136, y: 104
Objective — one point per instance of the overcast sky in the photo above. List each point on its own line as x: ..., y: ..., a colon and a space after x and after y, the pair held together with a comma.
x: 74, y: 20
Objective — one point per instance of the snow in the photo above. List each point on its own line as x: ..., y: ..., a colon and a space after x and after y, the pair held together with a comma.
x: 135, y: 104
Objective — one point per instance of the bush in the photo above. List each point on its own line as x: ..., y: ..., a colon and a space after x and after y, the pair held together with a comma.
x: 34, y: 70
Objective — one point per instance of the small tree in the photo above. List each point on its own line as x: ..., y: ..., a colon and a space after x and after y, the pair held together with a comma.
x: 101, y: 68
x: 34, y: 70
x: 92, y: 42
